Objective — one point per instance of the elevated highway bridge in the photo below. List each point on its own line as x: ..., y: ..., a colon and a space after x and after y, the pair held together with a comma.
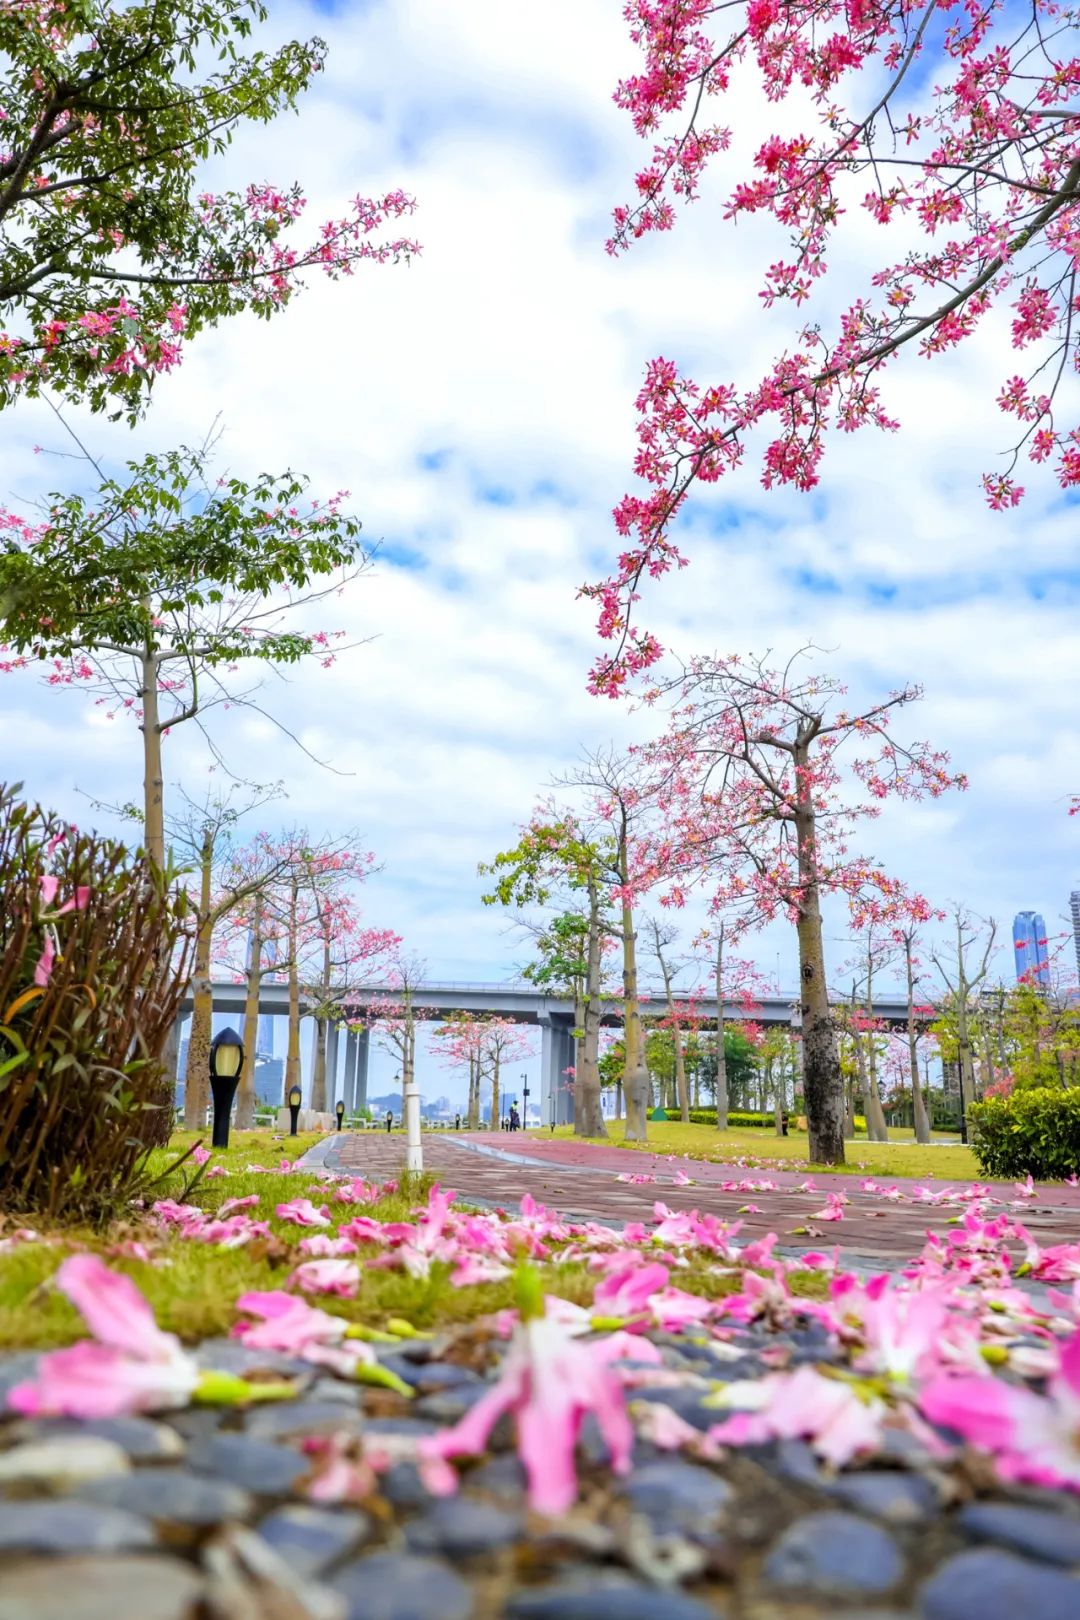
x: 517, y: 1000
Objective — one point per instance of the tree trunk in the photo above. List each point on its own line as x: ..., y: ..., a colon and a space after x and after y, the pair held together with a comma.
x: 635, y: 1074
x: 197, y: 1073
x: 292, y: 1052
x: 823, y: 1082
x: 322, y: 1024
x: 876, y: 1127
x: 472, y: 1117
x: 588, y: 1113
x: 682, y: 1095
x: 495, y: 1099
x: 153, y: 780
x: 918, y: 1102
x: 988, y: 1059
x: 245, y: 1096
x: 776, y: 1074
x: 318, y: 1075
x: 860, y: 1070
x: 721, y: 1054
x: 965, y: 1055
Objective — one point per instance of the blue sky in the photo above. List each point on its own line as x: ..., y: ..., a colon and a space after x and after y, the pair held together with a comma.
x: 479, y: 406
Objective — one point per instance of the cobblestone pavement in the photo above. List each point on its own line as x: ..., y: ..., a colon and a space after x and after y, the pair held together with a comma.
x: 203, y: 1514
x: 578, y: 1179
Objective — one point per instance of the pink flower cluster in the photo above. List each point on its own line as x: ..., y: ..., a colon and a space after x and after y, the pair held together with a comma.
x: 951, y: 1348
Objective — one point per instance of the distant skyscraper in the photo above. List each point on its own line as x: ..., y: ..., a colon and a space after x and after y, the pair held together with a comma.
x: 1074, y: 904
x: 1029, y: 948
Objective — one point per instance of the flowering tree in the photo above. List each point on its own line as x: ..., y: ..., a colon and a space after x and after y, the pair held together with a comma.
x: 459, y: 1039
x: 337, y: 959
x: 962, y: 973
x: 867, y: 1033
x: 315, y: 874
x: 660, y: 938
x: 752, y: 772
x: 485, y: 1045
x: 619, y: 794
x: 223, y: 878
x: 159, y: 589
x: 249, y: 949
x: 907, y: 936
x: 109, y: 254
x: 954, y: 129
x: 394, y: 1017
x: 555, y: 858
x: 735, y: 978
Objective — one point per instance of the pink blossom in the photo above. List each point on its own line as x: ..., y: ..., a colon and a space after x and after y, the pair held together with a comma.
x: 549, y: 1381
x: 1034, y: 1438
x: 286, y: 1323
x: 232, y: 1204
x: 302, y: 1212
x: 200, y: 1154
x: 626, y: 1292
x: 129, y: 1366
x: 326, y: 1247
x: 665, y: 1429
x: 838, y: 1421
x: 475, y: 1269
x: 340, y: 1277
x: 43, y: 968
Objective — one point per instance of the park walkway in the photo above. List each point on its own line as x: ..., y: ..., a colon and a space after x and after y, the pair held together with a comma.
x: 580, y: 1180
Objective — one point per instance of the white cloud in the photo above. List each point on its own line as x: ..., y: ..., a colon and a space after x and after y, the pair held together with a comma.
x: 514, y: 346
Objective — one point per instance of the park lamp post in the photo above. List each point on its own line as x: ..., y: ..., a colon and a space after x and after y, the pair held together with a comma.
x: 339, y: 1110
x: 524, y: 1102
x: 295, y: 1099
x: 226, y: 1061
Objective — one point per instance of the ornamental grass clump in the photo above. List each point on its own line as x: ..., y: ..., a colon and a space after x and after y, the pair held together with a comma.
x: 92, y: 972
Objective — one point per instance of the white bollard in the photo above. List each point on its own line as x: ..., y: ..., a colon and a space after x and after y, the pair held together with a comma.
x: 414, y: 1153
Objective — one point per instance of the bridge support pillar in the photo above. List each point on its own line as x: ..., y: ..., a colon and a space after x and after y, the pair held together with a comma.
x: 348, y: 1093
x: 363, y: 1049
x: 556, y: 1056
x: 332, y: 1054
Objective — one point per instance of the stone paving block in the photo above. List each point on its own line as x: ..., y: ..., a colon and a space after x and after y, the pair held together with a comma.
x: 102, y: 1588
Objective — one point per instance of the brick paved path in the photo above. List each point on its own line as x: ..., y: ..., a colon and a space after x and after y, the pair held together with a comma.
x: 579, y: 1180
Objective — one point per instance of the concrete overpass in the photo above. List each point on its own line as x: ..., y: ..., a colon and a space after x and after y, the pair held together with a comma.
x: 520, y: 1001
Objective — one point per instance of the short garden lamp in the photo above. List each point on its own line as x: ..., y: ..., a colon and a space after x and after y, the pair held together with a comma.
x: 339, y: 1110
x: 295, y: 1099
x: 226, y: 1061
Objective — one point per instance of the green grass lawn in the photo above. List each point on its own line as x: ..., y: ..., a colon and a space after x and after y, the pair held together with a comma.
x: 193, y: 1287
x: 898, y: 1157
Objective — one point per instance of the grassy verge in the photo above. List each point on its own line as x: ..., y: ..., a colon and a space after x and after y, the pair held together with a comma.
x: 193, y: 1287
x: 893, y: 1159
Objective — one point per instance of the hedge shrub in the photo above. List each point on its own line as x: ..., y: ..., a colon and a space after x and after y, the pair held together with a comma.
x: 740, y: 1119
x: 737, y: 1118
x: 1034, y: 1133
